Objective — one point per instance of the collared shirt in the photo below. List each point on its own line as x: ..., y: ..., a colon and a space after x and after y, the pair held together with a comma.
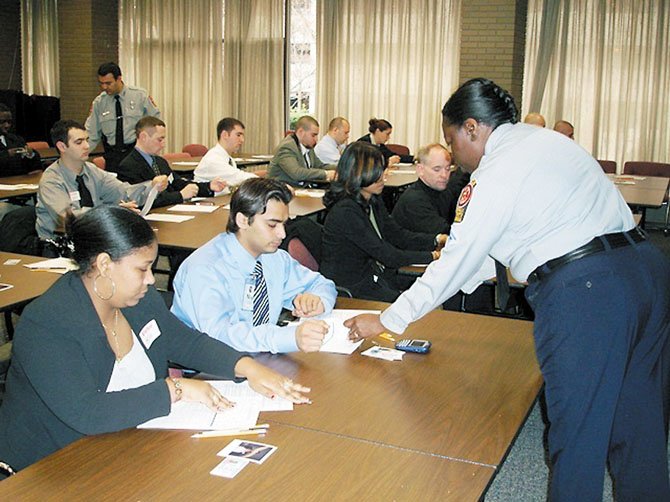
x: 58, y: 192
x: 535, y: 196
x: 217, y: 164
x: 328, y: 150
x: 209, y: 294
x: 101, y: 121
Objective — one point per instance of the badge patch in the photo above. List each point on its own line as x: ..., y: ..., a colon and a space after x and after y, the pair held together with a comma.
x: 464, y: 200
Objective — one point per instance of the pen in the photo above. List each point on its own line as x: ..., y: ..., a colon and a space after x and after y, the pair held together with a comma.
x: 386, y: 336
x: 257, y: 429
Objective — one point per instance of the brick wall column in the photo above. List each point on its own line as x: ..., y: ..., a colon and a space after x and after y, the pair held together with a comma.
x: 88, y: 36
x: 493, y: 41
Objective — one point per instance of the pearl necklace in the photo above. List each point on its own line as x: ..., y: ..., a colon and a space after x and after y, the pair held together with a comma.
x: 114, y: 335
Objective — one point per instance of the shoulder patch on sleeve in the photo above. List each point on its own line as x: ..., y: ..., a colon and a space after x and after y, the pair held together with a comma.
x: 464, y: 200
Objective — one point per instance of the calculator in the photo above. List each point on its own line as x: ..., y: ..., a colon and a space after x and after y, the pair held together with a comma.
x: 418, y: 346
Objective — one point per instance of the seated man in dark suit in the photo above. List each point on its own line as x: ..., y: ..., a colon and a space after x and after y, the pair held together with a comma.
x: 16, y: 157
x: 294, y: 160
x: 144, y: 163
x: 429, y: 204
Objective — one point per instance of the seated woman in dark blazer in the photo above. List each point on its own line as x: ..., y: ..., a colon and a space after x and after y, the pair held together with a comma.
x: 380, y: 132
x: 91, y: 354
x: 362, y: 245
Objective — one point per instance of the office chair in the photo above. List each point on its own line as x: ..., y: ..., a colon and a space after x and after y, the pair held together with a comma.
x: 195, y: 149
x: 652, y: 169
x: 609, y: 166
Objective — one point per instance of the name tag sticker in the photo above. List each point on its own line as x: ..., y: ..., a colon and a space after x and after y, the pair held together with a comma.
x: 105, y: 113
x: 149, y: 333
x: 248, y: 299
x: 74, y: 196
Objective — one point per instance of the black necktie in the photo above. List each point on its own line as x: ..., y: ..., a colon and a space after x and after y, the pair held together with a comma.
x: 118, y: 141
x: 154, y: 166
x: 502, y: 287
x: 85, y: 199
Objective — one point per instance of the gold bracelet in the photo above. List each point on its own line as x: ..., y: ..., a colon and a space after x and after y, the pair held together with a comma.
x: 177, y: 388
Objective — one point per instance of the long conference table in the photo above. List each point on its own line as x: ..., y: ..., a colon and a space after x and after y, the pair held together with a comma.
x: 430, y: 427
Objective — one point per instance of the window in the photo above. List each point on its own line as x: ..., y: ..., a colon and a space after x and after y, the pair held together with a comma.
x: 301, y: 59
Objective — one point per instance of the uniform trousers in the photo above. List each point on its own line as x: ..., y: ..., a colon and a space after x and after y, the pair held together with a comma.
x: 602, y: 326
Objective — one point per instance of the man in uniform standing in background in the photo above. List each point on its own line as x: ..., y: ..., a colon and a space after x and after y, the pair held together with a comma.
x: 114, y: 113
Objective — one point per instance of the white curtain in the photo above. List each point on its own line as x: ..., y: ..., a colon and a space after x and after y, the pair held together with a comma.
x: 253, y: 74
x: 391, y: 59
x: 173, y: 48
x: 39, y: 47
x: 604, y: 67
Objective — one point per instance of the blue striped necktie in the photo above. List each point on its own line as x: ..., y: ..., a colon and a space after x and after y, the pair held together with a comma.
x: 261, y: 313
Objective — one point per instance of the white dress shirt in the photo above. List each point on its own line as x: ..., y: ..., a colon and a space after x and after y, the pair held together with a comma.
x: 536, y: 195
x: 217, y: 163
x: 328, y: 150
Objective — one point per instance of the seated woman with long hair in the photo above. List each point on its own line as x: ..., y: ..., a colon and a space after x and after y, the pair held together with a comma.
x: 362, y: 245
x: 91, y: 354
x: 379, y: 132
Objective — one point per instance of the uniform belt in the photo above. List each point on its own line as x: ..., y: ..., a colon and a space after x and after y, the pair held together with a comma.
x: 597, y: 245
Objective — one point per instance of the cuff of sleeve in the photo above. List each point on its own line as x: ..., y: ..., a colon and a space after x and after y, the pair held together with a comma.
x: 392, y: 321
x: 285, y: 340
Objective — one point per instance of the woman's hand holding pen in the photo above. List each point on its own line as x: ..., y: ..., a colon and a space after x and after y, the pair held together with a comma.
x: 270, y: 383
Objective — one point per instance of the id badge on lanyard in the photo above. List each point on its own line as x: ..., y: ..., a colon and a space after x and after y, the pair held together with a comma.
x: 248, y: 295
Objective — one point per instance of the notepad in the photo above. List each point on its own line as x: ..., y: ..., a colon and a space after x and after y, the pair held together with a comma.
x: 58, y: 265
x: 184, y: 163
x: 19, y: 186
x: 170, y: 218
x: 310, y: 192
x: 190, y: 208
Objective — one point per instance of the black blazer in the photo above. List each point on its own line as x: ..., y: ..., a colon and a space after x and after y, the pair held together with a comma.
x: 17, y: 165
x: 62, y: 363
x: 351, y: 246
x: 422, y: 209
x: 386, y: 151
x: 135, y: 169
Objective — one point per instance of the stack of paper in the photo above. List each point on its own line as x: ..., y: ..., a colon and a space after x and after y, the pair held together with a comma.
x: 57, y: 265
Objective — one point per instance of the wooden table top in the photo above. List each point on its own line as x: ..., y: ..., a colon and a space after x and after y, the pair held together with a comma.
x: 429, y: 427
x: 648, y: 191
x: 28, y: 284
x: 308, y: 465
x: 436, y: 403
x: 396, y: 179
x: 194, y: 233
x: 32, y: 179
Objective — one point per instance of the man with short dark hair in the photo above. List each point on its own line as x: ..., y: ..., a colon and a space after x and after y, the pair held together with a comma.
x: 72, y: 184
x: 114, y: 113
x: 333, y: 143
x: 429, y: 204
x: 294, y: 160
x: 16, y: 157
x: 218, y: 162
x: 145, y: 162
x: 235, y: 286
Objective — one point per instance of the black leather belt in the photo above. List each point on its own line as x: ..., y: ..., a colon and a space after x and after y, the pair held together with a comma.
x: 597, y: 245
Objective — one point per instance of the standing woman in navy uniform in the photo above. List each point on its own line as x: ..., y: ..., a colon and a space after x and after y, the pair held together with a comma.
x: 540, y: 204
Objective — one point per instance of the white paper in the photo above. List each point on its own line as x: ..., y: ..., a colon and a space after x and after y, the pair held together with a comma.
x: 263, y: 156
x: 185, y: 163
x: 19, y: 186
x: 337, y: 340
x: 60, y: 265
x: 12, y: 261
x: 404, y: 164
x: 310, y: 192
x: 242, y: 390
x: 192, y: 208
x: 150, y: 201
x: 384, y: 353
x: 229, y: 467
x: 245, y: 159
x: 170, y: 218
x: 402, y: 171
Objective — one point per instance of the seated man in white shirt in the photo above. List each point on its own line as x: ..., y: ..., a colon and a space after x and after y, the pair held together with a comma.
x: 218, y: 161
x: 234, y: 287
x: 331, y: 146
